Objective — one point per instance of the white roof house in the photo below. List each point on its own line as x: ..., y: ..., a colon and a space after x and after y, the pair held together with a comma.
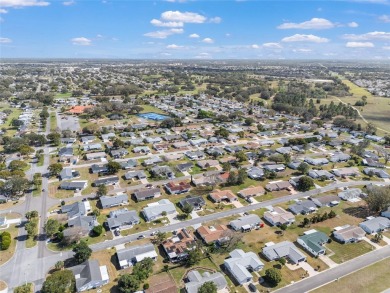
x: 239, y: 263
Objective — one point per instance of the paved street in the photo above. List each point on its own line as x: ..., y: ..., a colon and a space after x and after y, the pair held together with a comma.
x: 332, y: 274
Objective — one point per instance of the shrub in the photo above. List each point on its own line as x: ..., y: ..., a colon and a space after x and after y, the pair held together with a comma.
x: 97, y: 230
x: 5, y: 240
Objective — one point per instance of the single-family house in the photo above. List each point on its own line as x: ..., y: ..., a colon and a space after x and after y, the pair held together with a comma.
x: 350, y: 194
x: 241, y: 264
x: 327, y: 200
x: 195, y: 155
x: 222, y: 195
x: 184, y: 167
x: 119, y: 153
x: 319, y: 174
x: 68, y: 174
x: 251, y: 191
x: 348, y: 234
x: 162, y: 171
x: 284, y: 249
x: 129, y: 164
x: 313, y: 242
x: 129, y: 256
x: 146, y: 194
x: 316, y: 161
x: 196, y: 202
x: 277, y: 186
x: 156, y: 210
x: 278, y: 216
x: 255, y: 173
x: 178, y: 245
x: 303, y: 207
x: 377, y: 172
x: 113, y: 201
x: 121, y: 218
x: 136, y: 174
x: 90, y: 275
x: 246, y: 223
x: 95, y: 156
x: 344, y: 172
x: 195, y: 280
x: 375, y: 224
x: 212, y: 234
x: 274, y: 167
x: 204, y: 164
x: 99, y: 169
x: 112, y: 180
x: 177, y: 188
x: 73, y: 185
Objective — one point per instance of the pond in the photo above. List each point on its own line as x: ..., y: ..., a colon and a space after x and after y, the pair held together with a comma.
x: 153, y: 116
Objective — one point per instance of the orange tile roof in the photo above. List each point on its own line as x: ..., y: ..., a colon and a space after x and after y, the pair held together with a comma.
x: 78, y: 109
x: 211, y: 234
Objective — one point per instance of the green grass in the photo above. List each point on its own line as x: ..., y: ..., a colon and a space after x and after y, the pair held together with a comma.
x: 5, y: 255
x: 14, y: 115
x: 356, y: 90
x: 149, y: 108
x: 37, y: 190
x: 374, y: 278
x: 53, y: 121
x: 63, y: 95
x: 345, y: 252
x: 32, y: 241
x: 41, y: 160
x: 376, y: 111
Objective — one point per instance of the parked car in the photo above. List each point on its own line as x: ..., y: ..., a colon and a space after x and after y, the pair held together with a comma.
x: 141, y: 237
x: 252, y: 287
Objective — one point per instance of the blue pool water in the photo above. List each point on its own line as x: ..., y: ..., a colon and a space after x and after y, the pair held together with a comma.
x: 153, y: 116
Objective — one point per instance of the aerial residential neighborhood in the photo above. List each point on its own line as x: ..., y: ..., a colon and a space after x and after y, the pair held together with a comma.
x: 103, y: 191
x: 193, y: 146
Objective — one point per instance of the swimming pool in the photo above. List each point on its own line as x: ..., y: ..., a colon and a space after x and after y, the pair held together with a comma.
x: 153, y: 116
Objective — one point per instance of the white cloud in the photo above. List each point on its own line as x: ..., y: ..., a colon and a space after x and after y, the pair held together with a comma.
x: 69, y: 3
x: 208, y: 40
x: 353, y: 24
x: 359, y: 45
x: 216, y: 19
x: 5, y: 41
x: 166, y: 54
x: 272, y: 45
x: 302, y: 50
x: 203, y: 56
x: 157, y: 22
x: 368, y: 36
x: 81, y: 41
x: 384, y: 18
x: 305, y: 38
x: 386, y: 48
x: 3, y: 11
x: 164, y: 34
x: 314, y: 23
x: 174, y: 46
x: 194, y: 36
x: 186, y: 17
x: 22, y: 3
x: 228, y: 35
x: 254, y: 46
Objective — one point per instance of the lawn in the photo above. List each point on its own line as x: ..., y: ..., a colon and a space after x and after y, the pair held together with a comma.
x: 345, y: 252
x: 5, y: 255
x: 14, y: 115
x: 376, y: 110
x: 356, y: 90
x: 53, y: 121
x: 32, y: 241
x: 150, y: 108
x: 63, y: 95
x: 374, y: 278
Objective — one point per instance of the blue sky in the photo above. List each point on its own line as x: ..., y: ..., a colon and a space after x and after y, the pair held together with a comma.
x: 355, y: 29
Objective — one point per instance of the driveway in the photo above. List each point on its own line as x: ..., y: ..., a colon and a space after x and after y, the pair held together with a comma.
x: 237, y: 204
x: 172, y: 218
x: 303, y: 265
x: 326, y: 259
x: 377, y: 246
